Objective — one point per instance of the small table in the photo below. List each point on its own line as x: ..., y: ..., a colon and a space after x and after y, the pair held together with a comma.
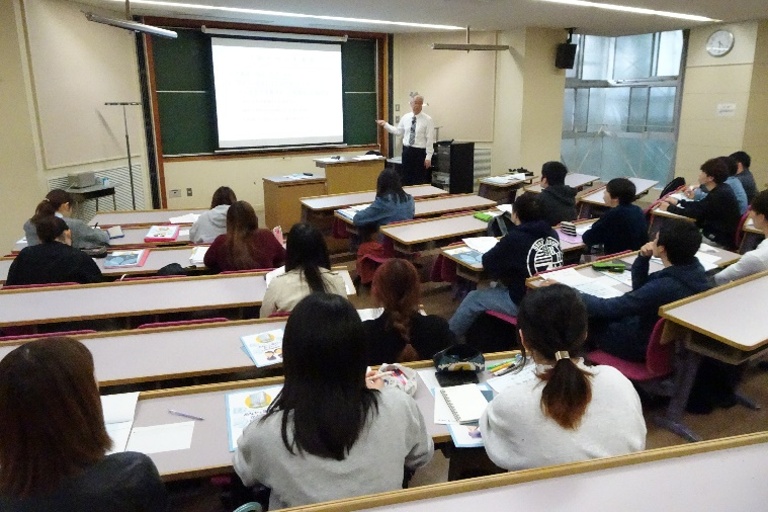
x: 81, y: 195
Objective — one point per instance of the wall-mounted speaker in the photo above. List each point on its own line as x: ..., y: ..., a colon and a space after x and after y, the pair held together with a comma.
x: 566, y: 56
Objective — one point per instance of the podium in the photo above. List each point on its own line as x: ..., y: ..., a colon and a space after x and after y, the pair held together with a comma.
x: 344, y: 175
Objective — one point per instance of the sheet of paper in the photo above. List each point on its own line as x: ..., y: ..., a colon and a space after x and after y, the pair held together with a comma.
x: 706, y: 248
x: 600, y: 287
x: 370, y: 313
x: 184, y: 232
x: 198, y: 255
x: 119, y: 411
x: 427, y: 376
x: 188, y: 218
x: 518, y: 176
x: 505, y: 207
x: 569, y: 277
x: 515, y: 378
x: 22, y: 240
x: 583, y: 228
x: 708, y: 261
x: 269, y: 276
x: 119, y: 434
x: 368, y: 157
x: 162, y: 438
x: 481, y: 244
x: 622, y: 277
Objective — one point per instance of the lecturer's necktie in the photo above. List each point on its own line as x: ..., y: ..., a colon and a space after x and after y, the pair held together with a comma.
x: 412, y: 136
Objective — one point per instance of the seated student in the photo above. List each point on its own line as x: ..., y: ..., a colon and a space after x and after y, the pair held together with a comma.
x: 392, y: 203
x: 54, y: 260
x: 53, y: 453
x: 244, y: 246
x: 306, y: 271
x: 732, y: 181
x: 717, y: 214
x: 58, y: 203
x: 753, y: 261
x: 567, y: 411
x: 402, y: 333
x: 557, y: 200
x: 743, y: 161
x: 332, y: 432
x: 213, y: 223
x: 530, y: 247
x: 623, y: 227
x: 622, y: 325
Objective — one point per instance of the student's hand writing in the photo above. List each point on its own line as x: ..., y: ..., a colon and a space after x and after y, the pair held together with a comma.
x: 647, y: 249
x: 373, y: 380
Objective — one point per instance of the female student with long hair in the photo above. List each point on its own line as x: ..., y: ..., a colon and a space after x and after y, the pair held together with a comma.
x: 402, y: 333
x: 54, y: 443
x: 307, y: 270
x: 54, y: 260
x: 328, y: 434
x: 244, y: 246
x: 565, y: 411
x: 213, y: 223
x: 58, y: 203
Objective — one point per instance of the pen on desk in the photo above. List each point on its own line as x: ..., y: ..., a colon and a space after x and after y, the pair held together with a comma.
x: 185, y: 415
x: 494, y: 366
x: 501, y: 367
x: 96, y: 225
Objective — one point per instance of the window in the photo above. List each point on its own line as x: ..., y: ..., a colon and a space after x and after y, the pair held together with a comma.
x: 621, y: 106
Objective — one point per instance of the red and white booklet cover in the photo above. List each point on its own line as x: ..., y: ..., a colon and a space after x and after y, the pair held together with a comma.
x: 162, y: 234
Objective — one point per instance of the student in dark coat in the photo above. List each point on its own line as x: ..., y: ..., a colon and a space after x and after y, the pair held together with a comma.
x: 54, y: 260
x: 622, y: 325
x: 623, y: 227
x: 557, y: 200
x: 402, y: 333
x: 718, y: 213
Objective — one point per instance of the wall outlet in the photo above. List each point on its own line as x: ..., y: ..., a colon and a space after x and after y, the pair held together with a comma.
x: 397, y: 107
x: 174, y: 193
x: 189, y: 192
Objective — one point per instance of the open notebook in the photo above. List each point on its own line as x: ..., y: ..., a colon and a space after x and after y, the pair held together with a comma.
x: 466, y: 402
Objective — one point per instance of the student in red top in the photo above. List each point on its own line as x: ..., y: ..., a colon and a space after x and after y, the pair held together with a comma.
x: 245, y: 246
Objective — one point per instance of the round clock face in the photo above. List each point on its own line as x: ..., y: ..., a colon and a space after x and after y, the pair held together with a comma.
x: 720, y: 43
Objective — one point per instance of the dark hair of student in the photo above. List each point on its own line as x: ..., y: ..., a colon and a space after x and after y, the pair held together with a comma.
x: 389, y: 184
x: 554, y: 319
x: 51, y: 204
x: 52, y: 424
x: 731, y: 164
x: 397, y: 288
x: 526, y: 207
x: 622, y: 189
x: 681, y: 239
x: 306, y: 249
x: 716, y: 169
x: 50, y: 228
x: 324, y: 362
x: 241, y: 224
x: 760, y: 203
x: 223, y: 195
x: 742, y: 157
x: 554, y: 172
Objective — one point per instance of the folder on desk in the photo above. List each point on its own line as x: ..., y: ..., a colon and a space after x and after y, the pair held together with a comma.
x: 124, y: 259
x: 265, y: 348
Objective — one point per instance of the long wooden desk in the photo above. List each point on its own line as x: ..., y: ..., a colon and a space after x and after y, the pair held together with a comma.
x: 141, y: 217
x: 572, y: 179
x: 658, y: 217
x: 594, y: 201
x: 125, y: 299
x: 164, y: 353
x: 319, y: 208
x: 157, y: 259
x: 134, y: 238
x: 419, y: 235
x: 350, y: 174
x: 432, y: 207
x: 209, y: 453
x: 721, y: 474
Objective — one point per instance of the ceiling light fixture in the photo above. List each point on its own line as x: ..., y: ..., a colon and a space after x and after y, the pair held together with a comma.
x: 469, y: 47
x: 634, y: 10
x: 249, y: 34
x: 261, y: 12
x: 129, y: 24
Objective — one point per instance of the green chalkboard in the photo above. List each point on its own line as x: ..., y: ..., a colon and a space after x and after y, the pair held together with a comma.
x: 183, y: 72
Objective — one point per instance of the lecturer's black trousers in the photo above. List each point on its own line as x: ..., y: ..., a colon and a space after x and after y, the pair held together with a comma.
x: 414, y: 172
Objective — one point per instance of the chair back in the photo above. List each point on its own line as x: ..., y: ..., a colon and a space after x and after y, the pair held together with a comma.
x: 41, y: 285
x: 739, y: 235
x: 20, y: 337
x: 658, y: 357
x: 175, y: 323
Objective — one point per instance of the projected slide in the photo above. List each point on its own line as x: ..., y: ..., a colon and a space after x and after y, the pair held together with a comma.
x: 275, y: 93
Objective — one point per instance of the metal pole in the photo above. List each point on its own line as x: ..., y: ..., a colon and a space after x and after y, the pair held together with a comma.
x: 127, y: 143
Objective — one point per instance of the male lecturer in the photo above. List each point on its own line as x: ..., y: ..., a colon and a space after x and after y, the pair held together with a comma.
x: 418, y: 132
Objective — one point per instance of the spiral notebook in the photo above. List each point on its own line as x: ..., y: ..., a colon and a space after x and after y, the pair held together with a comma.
x: 466, y: 402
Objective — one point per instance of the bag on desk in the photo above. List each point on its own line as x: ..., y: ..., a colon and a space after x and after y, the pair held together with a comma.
x: 172, y: 269
x: 500, y: 225
x: 458, y: 364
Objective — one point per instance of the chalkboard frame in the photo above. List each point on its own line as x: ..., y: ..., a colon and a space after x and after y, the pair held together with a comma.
x: 181, y: 85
